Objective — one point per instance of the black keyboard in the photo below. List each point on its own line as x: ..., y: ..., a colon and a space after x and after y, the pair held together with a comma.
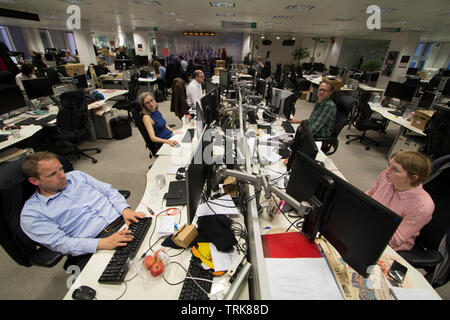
x: 117, y: 267
x: 396, y: 112
x: 41, y: 121
x: 190, y: 289
x: 189, y: 135
x: 287, y: 126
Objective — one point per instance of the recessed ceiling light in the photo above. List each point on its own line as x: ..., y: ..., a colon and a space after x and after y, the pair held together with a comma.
x: 320, y: 24
x: 7, y: 1
x: 179, y: 20
x: 77, y: 2
x: 278, y: 38
x: 299, y: 7
x: 225, y: 14
x: 262, y: 37
x: 147, y: 2
x: 401, y: 22
x: 271, y: 22
x: 113, y: 12
x: 222, y: 4
x: 53, y: 11
x: 53, y: 17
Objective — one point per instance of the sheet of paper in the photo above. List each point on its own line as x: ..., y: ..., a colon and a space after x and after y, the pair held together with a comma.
x: 222, y: 205
x: 301, y: 279
x: 222, y: 260
x: 166, y: 225
x: 267, y: 152
x: 173, y: 169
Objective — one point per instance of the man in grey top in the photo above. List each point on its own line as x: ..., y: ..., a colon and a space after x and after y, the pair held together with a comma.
x: 183, y: 63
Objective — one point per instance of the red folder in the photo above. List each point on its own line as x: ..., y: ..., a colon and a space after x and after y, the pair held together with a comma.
x: 289, y: 245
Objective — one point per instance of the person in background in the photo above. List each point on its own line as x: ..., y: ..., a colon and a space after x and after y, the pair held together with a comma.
x: 194, y: 89
x: 399, y: 187
x: 73, y: 213
x: 68, y: 58
x: 154, y: 122
x: 259, y: 65
x: 27, y: 72
x: 322, y: 118
x: 160, y: 72
x: 183, y: 63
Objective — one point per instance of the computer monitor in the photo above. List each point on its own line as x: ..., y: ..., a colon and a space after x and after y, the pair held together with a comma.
x: 400, y: 91
x: 426, y: 101
x: 446, y: 88
x: 288, y: 107
x: 80, y: 81
x: 374, y: 76
x: 303, y: 142
x: 196, y: 176
x: 143, y: 61
x: 334, y: 70
x: 357, y: 226
x: 119, y: 64
x: 224, y: 78
x: 52, y: 74
x: 412, y: 71
x: 210, y: 105
x: 318, y: 67
x: 38, y: 88
x: 307, y: 66
x: 260, y: 87
x: 12, y: 98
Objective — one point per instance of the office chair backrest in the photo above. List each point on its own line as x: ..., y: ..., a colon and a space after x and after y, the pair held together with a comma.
x: 134, y: 87
x: 437, y: 186
x: 278, y: 73
x: 344, y: 106
x: 73, y: 115
x: 6, y: 77
x: 135, y: 110
x: 14, y: 191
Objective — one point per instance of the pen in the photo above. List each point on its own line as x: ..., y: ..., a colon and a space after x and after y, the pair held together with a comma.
x: 150, y: 211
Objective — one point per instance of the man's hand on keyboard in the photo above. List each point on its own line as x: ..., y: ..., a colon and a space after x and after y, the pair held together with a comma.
x: 132, y: 216
x: 118, y: 239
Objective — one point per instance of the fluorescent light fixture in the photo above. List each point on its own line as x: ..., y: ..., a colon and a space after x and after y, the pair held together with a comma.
x: 222, y: 4
x: 342, y: 19
x: 262, y: 37
x: 170, y: 13
x: 225, y: 15
x: 53, y: 17
x: 271, y: 22
x: 147, y: 2
x: 320, y: 24
x: 278, y: 38
x: 179, y: 20
x: 283, y: 17
x: 77, y: 2
x: 299, y: 7
x: 7, y: 1
x: 401, y: 22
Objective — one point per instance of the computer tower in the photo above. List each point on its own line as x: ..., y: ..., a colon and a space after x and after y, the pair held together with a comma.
x: 102, y: 125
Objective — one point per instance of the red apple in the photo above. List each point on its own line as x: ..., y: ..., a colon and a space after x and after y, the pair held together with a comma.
x: 149, y: 261
x: 157, y: 268
x: 162, y: 256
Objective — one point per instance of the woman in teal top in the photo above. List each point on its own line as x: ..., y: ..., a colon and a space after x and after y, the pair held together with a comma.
x: 154, y: 122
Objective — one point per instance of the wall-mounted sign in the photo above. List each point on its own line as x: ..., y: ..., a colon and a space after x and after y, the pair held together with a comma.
x: 199, y: 34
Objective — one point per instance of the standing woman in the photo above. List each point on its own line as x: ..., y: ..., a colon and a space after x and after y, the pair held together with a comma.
x: 156, y: 125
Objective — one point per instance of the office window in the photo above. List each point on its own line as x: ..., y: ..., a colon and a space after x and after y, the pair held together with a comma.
x: 418, y: 50
x: 58, y: 39
x: 19, y: 40
x: 421, y: 55
x: 71, y: 42
x: 5, y: 38
x: 45, y: 38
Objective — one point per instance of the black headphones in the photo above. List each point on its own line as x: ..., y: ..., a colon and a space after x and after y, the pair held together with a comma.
x: 181, y: 173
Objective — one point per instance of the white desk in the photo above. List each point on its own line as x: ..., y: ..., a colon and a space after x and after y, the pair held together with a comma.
x: 370, y: 89
x: 404, y: 124
x: 150, y: 82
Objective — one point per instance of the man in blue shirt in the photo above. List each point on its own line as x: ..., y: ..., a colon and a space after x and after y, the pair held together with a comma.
x: 68, y: 211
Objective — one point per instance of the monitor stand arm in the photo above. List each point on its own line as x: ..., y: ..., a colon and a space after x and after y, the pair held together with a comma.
x: 260, y: 182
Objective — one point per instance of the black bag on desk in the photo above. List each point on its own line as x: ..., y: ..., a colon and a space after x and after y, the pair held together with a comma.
x: 216, y: 229
x: 120, y: 127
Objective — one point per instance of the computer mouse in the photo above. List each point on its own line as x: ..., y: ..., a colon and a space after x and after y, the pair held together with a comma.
x: 84, y: 293
x: 177, y: 145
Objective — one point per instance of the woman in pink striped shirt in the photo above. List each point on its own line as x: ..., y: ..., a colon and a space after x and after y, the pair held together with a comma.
x: 399, y: 188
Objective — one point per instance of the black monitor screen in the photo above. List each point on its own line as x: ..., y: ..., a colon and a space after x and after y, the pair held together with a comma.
x: 52, y: 74
x: 357, y: 226
x: 12, y: 98
x: 400, y: 91
x: 318, y: 67
x: 289, y: 106
x: 426, y: 100
x: 304, y: 142
x: 118, y: 64
x: 260, y: 87
x: 143, y: 61
x: 210, y: 105
x: 307, y: 66
x: 196, y: 174
x: 38, y: 88
x: 412, y: 71
x: 333, y: 70
x: 80, y: 81
x: 224, y: 78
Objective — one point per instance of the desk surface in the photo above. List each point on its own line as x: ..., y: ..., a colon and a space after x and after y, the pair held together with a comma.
x: 369, y: 88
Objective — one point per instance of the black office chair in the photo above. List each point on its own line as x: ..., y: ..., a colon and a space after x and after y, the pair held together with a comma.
x: 149, y: 144
x: 432, y: 243
x: 344, y: 105
x: 72, y: 125
x: 133, y: 89
x: 7, y: 78
x: 15, y: 190
x: 364, y: 122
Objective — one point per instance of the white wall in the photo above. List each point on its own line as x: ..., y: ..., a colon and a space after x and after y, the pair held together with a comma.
x: 333, y: 52
x: 443, y: 56
x: 143, y: 39
x: 83, y: 41
x: 246, y: 45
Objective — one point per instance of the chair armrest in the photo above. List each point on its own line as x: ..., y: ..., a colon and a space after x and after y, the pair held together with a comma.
x: 420, y: 258
x: 125, y: 193
x: 45, y: 257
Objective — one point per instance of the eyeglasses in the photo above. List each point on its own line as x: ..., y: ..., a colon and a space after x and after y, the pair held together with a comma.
x: 323, y: 90
x: 390, y: 167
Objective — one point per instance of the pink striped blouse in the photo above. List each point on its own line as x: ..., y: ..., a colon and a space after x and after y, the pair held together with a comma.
x: 415, y: 206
